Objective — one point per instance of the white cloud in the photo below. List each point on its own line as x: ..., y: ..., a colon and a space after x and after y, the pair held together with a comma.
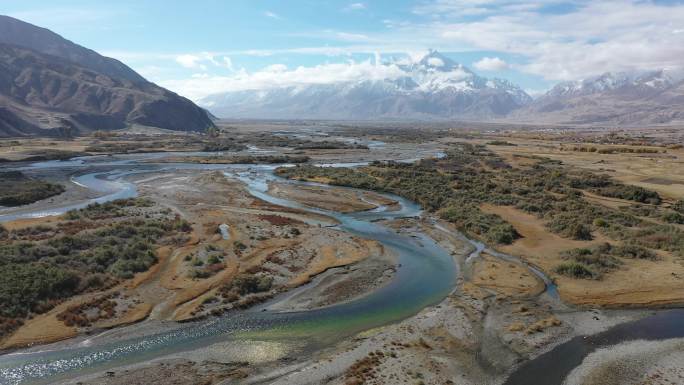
x: 355, y: 7
x: 188, y: 61
x: 272, y: 15
x: 435, y: 61
x: 491, y: 64
x: 204, y: 60
x: 582, y: 39
x: 589, y: 39
x: 279, y: 75
x: 346, y: 36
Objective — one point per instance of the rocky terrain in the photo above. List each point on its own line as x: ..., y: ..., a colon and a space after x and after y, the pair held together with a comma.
x: 50, y: 86
x: 616, y: 99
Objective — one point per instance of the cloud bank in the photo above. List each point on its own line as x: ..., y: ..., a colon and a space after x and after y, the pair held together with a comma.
x: 552, y: 40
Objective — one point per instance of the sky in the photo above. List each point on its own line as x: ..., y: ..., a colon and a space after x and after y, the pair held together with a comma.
x: 202, y: 47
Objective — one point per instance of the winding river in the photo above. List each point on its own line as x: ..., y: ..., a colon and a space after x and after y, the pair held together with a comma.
x: 426, y: 275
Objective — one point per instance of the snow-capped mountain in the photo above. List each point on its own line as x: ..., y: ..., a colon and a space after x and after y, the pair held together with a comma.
x: 433, y: 87
x: 614, y: 83
x: 613, y: 98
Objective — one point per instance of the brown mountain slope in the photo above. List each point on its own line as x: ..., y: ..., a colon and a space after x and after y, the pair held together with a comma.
x: 80, y: 91
x: 611, y: 99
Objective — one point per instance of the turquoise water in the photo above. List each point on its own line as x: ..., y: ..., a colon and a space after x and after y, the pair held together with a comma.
x: 427, y: 273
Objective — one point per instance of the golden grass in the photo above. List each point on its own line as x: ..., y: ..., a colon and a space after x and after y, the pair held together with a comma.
x: 505, y: 278
x: 636, y: 283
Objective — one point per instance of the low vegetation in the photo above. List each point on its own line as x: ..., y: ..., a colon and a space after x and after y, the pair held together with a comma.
x: 591, y: 263
x: 330, y: 145
x: 614, y: 150
x: 92, y: 249
x: 17, y: 189
x: 247, y: 289
x: 500, y: 143
x: 223, y: 145
x: 52, y: 154
x: 456, y: 187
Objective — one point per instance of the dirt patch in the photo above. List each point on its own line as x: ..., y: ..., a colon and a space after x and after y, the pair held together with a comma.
x: 505, y: 278
x: 329, y: 198
x: 176, y: 372
x: 635, y: 283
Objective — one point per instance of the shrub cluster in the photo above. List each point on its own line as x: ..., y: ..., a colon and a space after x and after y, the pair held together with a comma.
x: 457, y: 185
x: 37, y: 274
x: 17, y: 189
x: 593, y: 262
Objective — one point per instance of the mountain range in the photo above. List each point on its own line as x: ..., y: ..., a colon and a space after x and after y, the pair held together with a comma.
x: 433, y: 87
x: 50, y: 86
x: 619, y: 99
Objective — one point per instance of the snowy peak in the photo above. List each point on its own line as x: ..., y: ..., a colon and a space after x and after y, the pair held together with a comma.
x: 434, y: 72
x: 645, y: 98
x: 612, y: 82
x: 432, y: 86
x: 434, y: 61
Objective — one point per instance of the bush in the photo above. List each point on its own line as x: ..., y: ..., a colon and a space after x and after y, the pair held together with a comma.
x: 580, y: 232
x: 679, y: 206
x: 250, y: 284
x: 674, y: 217
x: 17, y: 189
x: 570, y: 225
x: 25, y: 287
x: 632, y: 193
x: 500, y: 143
x: 600, y: 259
x: 575, y: 270
x: 41, y: 266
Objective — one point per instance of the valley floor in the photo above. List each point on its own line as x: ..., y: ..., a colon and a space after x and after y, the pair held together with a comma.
x: 499, y: 315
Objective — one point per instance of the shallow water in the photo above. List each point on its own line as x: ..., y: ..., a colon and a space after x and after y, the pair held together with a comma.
x: 553, y: 367
x: 427, y: 274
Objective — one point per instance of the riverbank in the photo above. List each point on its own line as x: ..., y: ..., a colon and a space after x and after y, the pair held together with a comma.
x: 309, y: 263
x: 636, y: 362
x: 286, y: 246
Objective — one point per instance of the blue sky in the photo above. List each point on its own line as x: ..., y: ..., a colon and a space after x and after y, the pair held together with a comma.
x: 207, y: 46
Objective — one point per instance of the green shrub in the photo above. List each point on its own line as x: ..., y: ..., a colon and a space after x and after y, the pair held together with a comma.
x: 632, y: 193
x: 26, y: 287
x: 575, y: 270
x: 674, y: 217
x: 17, y: 189
x: 580, y: 232
x: 679, y: 206
x: 600, y: 259
x: 249, y: 284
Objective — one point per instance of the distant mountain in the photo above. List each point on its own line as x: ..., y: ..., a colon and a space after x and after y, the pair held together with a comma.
x: 51, y: 86
x: 433, y: 87
x: 612, y: 98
